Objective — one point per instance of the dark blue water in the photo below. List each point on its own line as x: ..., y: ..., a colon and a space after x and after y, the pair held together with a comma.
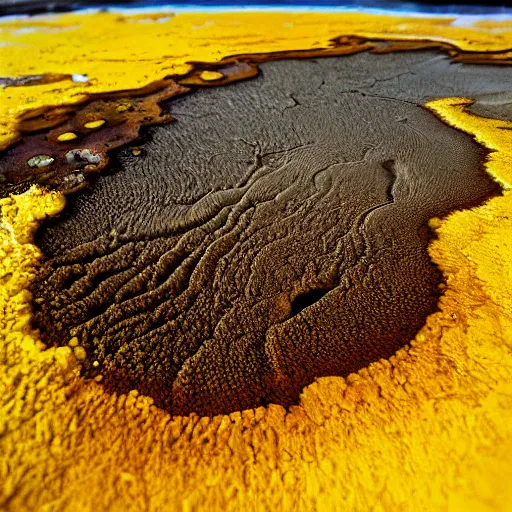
x: 425, y: 5
x: 422, y: 6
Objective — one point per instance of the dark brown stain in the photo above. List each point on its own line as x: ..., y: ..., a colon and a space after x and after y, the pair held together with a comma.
x: 41, y: 127
x: 276, y: 233
x: 27, y: 80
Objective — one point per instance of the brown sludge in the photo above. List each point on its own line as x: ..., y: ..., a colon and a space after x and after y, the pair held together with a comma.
x: 276, y: 233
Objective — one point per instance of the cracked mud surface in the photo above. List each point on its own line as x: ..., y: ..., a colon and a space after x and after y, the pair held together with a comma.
x: 276, y: 233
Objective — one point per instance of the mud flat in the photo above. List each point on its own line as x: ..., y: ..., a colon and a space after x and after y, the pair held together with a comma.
x: 276, y: 233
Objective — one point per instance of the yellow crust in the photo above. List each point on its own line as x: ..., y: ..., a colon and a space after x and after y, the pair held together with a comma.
x: 117, y: 51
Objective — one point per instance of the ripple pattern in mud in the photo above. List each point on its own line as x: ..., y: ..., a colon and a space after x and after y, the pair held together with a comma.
x: 276, y: 233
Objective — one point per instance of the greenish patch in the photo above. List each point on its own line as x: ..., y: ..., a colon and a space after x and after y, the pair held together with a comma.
x: 40, y: 161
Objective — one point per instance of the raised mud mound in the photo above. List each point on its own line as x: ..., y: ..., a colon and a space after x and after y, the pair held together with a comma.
x: 276, y: 233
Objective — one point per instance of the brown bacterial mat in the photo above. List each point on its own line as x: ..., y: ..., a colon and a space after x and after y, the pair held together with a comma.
x: 276, y: 233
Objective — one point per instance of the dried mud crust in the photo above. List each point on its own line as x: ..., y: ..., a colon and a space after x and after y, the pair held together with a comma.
x: 276, y: 233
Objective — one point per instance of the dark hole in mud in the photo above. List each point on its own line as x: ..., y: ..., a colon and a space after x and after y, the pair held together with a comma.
x: 307, y: 299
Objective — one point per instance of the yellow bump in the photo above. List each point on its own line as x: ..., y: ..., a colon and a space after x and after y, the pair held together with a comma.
x: 126, y: 477
x: 61, y: 356
x: 435, y: 223
x: 94, y: 124
x: 95, y: 364
x: 80, y: 353
x: 211, y: 75
x: 73, y: 342
x: 66, y: 137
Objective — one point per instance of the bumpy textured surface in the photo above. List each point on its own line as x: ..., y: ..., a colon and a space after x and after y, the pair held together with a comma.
x: 235, y: 261
x: 437, y: 415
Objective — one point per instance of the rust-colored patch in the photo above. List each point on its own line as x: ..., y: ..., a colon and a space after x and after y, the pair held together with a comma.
x: 76, y: 159
x: 70, y: 163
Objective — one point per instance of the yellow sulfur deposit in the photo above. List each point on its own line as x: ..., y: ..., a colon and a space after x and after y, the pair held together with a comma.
x: 211, y: 75
x: 107, y: 52
x: 92, y: 125
x: 494, y: 134
x: 493, y: 247
x: 66, y: 137
x: 21, y: 353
